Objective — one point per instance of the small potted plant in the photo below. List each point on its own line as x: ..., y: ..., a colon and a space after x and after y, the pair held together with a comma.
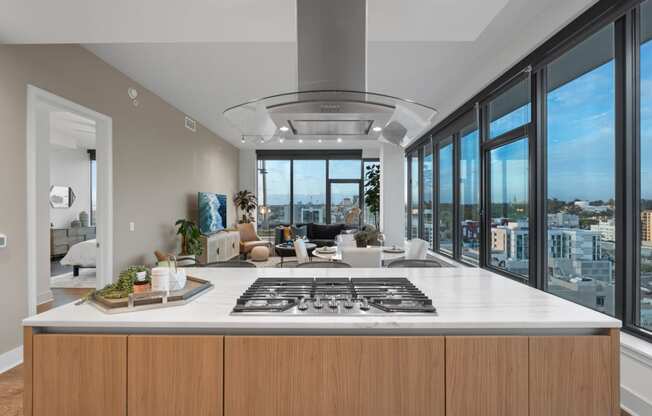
x: 367, y: 236
x: 247, y: 203
x: 190, y: 238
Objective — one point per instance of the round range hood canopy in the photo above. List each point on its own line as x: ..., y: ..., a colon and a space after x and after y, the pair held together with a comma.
x: 326, y: 114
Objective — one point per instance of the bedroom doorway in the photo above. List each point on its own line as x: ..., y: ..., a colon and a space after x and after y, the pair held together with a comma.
x: 69, y: 192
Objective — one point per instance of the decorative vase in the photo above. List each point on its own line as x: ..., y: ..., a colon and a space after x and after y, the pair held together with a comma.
x: 84, y: 219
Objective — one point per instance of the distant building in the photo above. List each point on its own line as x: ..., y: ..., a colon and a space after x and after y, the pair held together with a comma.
x: 577, y: 254
x: 646, y: 226
x: 563, y: 220
x: 607, y: 230
x: 586, y: 206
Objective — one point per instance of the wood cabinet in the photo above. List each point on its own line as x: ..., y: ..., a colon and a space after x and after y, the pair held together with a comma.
x: 203, y: 375
x: 78, y: 375
x: 572, y: 376
x: 325, y: 376
x: 486, y: 376
x: 175, y: 375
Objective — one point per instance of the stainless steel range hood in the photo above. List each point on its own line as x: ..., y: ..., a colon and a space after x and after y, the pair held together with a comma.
x: 332, y: 102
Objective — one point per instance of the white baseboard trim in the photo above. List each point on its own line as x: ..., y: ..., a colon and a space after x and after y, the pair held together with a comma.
x: 11, y: 359
x: 44, y: 297
x: 634, y: 404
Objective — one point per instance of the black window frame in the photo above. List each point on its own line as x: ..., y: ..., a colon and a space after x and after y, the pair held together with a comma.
x: 625, y: 16
x: 327, y: 156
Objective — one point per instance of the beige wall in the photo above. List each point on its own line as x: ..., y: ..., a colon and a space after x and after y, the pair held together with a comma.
x: 158, y: 165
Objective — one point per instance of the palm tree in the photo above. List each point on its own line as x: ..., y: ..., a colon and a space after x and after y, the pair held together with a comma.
x: 246, y: 201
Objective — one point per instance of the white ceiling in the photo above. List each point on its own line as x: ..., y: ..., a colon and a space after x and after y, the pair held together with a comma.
x: 209, y: 55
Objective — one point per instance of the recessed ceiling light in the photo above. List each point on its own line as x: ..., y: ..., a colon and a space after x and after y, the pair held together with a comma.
x: 284, y: 128
x: 300, y: 140
x: 281, y: 139
x: 377, y: 129
x: 242, y: 139
x: 339, y: 140
x: 320, y: 140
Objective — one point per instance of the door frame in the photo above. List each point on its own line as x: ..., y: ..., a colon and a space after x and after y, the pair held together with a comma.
x: 37, y: 100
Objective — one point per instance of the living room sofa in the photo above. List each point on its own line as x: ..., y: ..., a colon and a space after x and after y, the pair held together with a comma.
x: 320, y: 234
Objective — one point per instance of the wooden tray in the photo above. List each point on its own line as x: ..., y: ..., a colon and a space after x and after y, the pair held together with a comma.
x: 194, y: 288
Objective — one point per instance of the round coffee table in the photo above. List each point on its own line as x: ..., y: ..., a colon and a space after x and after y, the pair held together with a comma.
x: 286, y: 250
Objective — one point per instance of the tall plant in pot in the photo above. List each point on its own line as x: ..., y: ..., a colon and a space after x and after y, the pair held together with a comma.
x: 247, y: 203
x: 190, y: 237
x: 372, y: 193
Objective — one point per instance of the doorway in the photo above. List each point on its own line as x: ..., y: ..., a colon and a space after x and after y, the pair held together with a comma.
x: 69, y: 197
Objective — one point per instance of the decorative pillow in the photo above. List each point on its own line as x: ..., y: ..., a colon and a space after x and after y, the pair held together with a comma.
x: 300, y: 232
x: 288, y: 234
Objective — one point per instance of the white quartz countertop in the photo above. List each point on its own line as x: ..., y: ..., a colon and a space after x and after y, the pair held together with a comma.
x: 466, y: 299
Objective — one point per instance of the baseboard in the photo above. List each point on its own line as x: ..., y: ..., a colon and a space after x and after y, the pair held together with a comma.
x: 11, y: 359
x: 44, y: 297
x: 634, y: 404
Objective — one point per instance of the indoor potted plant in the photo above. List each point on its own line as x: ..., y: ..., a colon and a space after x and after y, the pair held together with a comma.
x: 190, y: 238
x: 372, y: 192
x: 247, y: 203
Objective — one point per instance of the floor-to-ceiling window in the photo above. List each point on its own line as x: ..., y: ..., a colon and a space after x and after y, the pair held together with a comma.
x: 274, y: 205
x: 428, y: 234
x: 445, y: 198
x: 564, y: 170
x: 469, y: 203
x: 297, y: 187
x: 508, y: 193
x: 644, y: 288
x: 508, y: 247
x: 309, y: 191
x: 413, y: 209
x: 580, y: 125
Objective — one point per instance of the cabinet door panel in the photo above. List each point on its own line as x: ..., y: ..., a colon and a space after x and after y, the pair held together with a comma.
x: 571, y: 376
x: 79, y: 375
x: 486, y: 376
x: 326, y: 376
x: 175, y: 375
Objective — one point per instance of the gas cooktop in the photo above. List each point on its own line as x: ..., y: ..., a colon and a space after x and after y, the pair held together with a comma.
x: 333, y: 296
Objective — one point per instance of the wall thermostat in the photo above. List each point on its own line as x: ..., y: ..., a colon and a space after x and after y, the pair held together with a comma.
x: 3, y: 241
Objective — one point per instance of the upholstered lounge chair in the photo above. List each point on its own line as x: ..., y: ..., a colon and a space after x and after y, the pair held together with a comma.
x: 249, y: 239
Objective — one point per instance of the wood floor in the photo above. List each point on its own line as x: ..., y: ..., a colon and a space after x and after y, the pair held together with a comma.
x: 11, y: 382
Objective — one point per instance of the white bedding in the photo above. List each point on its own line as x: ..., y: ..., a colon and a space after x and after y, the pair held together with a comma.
x: 81, y: 254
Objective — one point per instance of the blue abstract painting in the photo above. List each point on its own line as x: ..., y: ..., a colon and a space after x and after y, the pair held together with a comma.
x: 212, y: 212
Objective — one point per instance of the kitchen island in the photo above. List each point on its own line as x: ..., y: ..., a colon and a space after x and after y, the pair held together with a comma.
x: 494, y: 347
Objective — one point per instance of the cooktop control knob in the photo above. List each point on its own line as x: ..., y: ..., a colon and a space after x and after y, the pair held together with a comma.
x: 348, y: 304
x: 317, y: 303
x: 365, y: 305
x: 302, y: 305
x: 333, y: 304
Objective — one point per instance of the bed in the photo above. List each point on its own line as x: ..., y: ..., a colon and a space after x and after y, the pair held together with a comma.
x: 81, y: 255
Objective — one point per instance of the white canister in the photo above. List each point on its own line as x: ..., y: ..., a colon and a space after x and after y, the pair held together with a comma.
x: 178, y: 279
x: 161, y: 279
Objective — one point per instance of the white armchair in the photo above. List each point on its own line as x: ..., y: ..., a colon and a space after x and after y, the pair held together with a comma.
x: 417, y: 249
x: 300, y: 251
x: 362, y: 257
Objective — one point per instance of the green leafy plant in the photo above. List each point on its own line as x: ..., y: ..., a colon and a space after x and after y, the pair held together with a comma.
x: 367, y: 236
x: 123, y: 286
x: 247, y: 203
x: 190, y: 237
x: 372, y: 192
